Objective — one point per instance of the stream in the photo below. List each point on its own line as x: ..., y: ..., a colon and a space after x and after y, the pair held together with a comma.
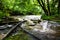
x: 44, y: 34
x: 44, y: 30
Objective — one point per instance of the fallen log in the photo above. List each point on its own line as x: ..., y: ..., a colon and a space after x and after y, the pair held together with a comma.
x: 12, y: 29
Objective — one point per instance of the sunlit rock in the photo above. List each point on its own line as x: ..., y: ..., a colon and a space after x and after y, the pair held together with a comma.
x: 29, y: 22
x: 35, y: 29
x: 9, y: 25
x: 18, y: 18
x: 33, y: 17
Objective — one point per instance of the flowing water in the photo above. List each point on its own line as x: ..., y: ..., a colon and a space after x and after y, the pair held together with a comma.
x: 44, y: 30
x: 44, y: 25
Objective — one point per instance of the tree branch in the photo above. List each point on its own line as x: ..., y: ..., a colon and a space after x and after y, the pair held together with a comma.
x: 43, y: 7
x: 48, y: 6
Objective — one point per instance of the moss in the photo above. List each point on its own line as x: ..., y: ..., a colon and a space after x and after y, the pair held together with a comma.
x: 20, y: 36
x: 52, y: 18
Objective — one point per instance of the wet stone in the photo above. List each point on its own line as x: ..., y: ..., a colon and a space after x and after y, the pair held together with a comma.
x: 37, y: 29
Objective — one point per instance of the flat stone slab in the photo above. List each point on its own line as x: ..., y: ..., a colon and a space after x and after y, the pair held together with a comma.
x: 27, y: 17
x: 32, y: 17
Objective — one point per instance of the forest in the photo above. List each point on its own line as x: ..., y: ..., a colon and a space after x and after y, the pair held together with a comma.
x: 49, y: 9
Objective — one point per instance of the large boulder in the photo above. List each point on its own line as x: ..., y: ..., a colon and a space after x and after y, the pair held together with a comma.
x: 32, y: 17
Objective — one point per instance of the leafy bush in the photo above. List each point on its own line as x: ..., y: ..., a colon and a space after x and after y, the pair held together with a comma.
x: 23, y: 6
x: 45, y: 17
x: 3, y: 14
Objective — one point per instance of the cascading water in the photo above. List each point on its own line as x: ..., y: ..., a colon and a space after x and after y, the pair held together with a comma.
x: 44, y: 24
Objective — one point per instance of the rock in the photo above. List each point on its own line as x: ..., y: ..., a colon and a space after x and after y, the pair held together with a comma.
x: 54, y: 25
x: 23, y: 25
x: 3, y: 27
x: 32, y: 17
x: 35, y: 29
x: 9, y: 25
x: 29, y: 22
x: 18, y: 18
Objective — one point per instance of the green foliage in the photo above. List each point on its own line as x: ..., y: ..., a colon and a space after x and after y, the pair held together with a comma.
x: 23, y: 6
x: 2, y: 14
x: 54, y: 7
x: 20, y: 36
x: 45, y: 17
x: 26, y: 7
x: 55, y: 18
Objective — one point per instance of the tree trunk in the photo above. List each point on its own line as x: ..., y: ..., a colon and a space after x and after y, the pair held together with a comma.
x: 1, y: 5
x: 58, y: 6
x: 48, y: 6
x: 43, y: 6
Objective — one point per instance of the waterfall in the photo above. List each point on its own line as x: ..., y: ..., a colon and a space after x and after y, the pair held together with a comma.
x: 44, y: 24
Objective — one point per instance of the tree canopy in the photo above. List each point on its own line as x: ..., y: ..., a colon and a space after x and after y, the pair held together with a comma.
x: 32, y: 7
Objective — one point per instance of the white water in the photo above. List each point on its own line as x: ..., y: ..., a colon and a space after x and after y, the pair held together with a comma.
x: 44, y: 24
